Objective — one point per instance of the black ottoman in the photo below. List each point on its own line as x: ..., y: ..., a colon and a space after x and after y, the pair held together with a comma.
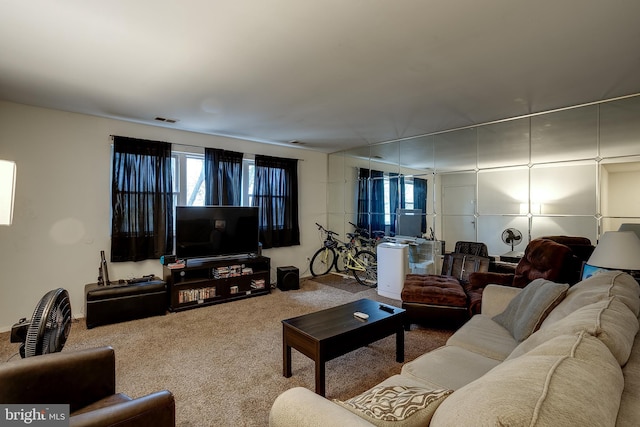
x: 119, y: 303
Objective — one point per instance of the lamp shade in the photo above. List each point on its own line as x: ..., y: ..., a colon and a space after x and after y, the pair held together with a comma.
x: 617, y: 250
x: 630, y: 227
x: 7, y: 190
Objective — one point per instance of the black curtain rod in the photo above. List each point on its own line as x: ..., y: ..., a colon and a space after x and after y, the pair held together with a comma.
x: 184, y: 145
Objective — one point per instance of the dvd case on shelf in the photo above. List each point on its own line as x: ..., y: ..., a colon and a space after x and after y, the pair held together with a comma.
x: 201, y: 294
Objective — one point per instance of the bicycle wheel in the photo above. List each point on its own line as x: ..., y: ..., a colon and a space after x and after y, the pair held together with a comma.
x: 322, y: 262
x: 366, y: 268
x: 342, y: 263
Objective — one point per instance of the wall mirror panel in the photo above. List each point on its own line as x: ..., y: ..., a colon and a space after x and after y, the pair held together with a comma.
x: 620, y: 178
x: 585, y: 226
x: 503, y: 191
x: 387, y: 157
x: 620, y: 127
x: 581, y: 178
x: 456, y: 204
x: 375, y: 186
x: 338, y: 223
x: 564, y: 188
x: 417, y: 154
x: 492, y: 227
x: 613, y: 224
x: 354, y: 161
x: 565, y: 135
x: 456, y: 150
x: 457, y: 228
x: 504, y: 144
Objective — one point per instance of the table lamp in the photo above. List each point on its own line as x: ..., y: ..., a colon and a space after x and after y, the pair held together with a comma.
x: 630, y: 227
x: 7, y: 190
x: 616, y: 250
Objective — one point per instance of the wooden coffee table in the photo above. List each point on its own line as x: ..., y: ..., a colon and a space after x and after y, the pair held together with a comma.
x: 327, y: 334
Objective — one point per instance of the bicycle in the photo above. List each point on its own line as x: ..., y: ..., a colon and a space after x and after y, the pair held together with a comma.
x: 362, y: 263
x: 325, y: 258
x: 364, y: 239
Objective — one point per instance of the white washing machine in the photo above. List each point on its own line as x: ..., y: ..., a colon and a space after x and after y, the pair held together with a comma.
x: 393, y: 265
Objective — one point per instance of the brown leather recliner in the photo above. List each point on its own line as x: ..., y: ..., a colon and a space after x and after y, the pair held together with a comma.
x: 543, y: 258
x: 85, y: 380
x: 581, y: 248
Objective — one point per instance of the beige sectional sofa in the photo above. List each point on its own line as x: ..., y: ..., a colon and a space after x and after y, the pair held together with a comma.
x: 577, y: 363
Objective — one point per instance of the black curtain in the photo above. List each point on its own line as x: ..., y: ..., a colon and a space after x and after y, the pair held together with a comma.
x: 222, y: 177
x: 141, y: 200
x: 371, y: 200
x: 377, y: 201
x: 276, y: 194
x: 396, y: 198
x: 363, y: 199
x: 420, y: 199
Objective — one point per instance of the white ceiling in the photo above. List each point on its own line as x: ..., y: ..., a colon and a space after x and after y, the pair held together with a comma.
x: 330, y: 74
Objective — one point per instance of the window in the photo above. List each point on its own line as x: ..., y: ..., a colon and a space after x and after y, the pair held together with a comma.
x: 381, y: 194
x: 149, y: 178
x: 276, y: 193
x: 188, y: 178
x: 248, y: 181
x: 189, y: 182
x: 142, y: 199
x: 407, y: 200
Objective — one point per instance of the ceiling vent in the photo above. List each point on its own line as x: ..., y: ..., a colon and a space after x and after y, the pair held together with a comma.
x: 163, y: 119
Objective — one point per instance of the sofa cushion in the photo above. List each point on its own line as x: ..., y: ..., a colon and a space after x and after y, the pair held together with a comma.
x: 629, y: 412
x: 526, y: 311
x: 608, y: 320
x: 448, y: 367
x: 482, y: 335
x: 432, y: 289
x: 597, y: 288
x: 396, y: 405
x: 571, y: 380
x: 300, y: 406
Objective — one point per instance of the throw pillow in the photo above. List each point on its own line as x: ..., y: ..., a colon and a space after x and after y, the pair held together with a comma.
x: 396, y: 405
x: 527, y: 310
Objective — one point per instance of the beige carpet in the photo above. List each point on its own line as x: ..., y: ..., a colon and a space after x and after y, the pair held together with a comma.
x: 224, y: 362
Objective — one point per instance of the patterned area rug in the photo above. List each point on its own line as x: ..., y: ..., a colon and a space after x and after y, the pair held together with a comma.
x: 339, y: 281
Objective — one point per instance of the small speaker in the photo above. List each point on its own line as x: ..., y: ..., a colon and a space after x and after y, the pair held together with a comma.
x: 288, y: 278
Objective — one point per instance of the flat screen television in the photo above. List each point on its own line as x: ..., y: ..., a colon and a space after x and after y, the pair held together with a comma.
x: 209, y: 231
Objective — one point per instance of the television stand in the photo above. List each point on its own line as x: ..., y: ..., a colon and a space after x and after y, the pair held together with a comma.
x: 196, y: 262
x: 214, y: 280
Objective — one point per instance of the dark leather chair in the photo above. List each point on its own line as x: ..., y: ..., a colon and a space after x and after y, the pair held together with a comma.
x: 471, y: 248
x: 441, y: 299
x: 543, y: 258
x: 85, y: 380
x: 581, y: 248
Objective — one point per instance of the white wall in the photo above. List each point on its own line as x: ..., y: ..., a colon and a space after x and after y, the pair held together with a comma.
x: 61, y: 218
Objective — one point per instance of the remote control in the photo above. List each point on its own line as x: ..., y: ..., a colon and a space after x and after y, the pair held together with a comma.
x: 359, y: 315
x: 385, y: 308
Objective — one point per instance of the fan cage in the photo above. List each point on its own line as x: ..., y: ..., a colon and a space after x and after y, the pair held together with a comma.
x: 50, y: 324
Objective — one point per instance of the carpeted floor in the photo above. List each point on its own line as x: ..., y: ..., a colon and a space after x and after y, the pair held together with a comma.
x: 340, y: 281
x: 224, y: 362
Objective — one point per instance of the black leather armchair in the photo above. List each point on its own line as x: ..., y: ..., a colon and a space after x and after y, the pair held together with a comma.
x: 86, y: 381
